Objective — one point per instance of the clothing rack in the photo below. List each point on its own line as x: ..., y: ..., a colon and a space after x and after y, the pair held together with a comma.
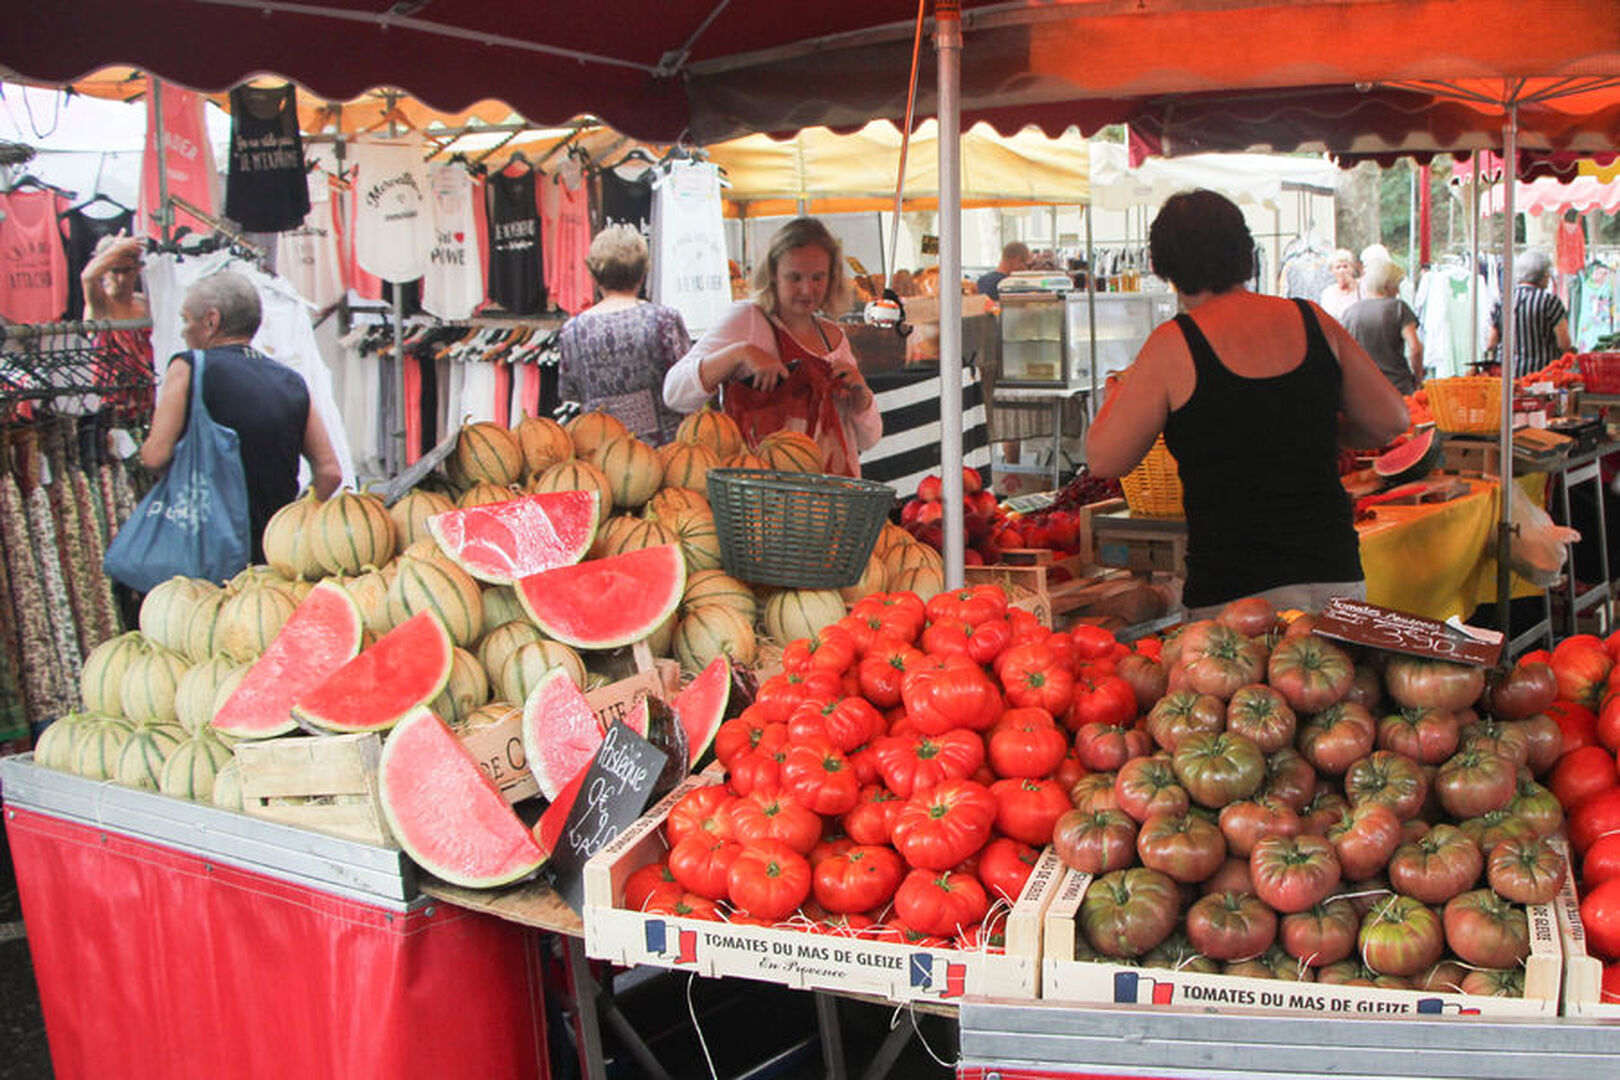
x: 68, y: 359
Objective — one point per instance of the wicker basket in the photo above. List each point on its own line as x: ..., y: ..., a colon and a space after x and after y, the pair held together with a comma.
x: 1153, y: 488
x: 801, y: 530
x: 1466, y: 405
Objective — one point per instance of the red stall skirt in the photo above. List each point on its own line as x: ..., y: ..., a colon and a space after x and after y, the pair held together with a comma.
x: 152, y: 962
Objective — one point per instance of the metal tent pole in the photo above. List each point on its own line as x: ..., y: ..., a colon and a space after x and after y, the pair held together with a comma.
x: 1504, y: 532
x: 164, y: 212
x: 948, y: 44
x: 1473, y: 266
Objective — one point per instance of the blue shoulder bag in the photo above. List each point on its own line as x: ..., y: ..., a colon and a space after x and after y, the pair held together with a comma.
x: 194, y: 522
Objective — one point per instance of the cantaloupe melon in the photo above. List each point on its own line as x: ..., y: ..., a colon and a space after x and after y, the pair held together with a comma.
x: 632, y: 468
x: 349, y: 531
x: 797, y: 613
x: 544, y: 443
x: 485, y: 453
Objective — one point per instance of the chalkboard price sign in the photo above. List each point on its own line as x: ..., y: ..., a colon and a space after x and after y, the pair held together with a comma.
x: 1385, y: 628
x: 616, y: 790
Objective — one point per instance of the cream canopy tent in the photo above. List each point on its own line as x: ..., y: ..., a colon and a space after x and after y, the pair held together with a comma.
x: 1246, y: 179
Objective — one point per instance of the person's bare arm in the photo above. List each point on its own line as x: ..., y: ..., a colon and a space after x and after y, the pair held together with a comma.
x: 323, y: 460
x: 1561, y: 333
x: 1136, y: 409
x: 1414, y: 350
x: 168, y: 416
x: 1373, y: 410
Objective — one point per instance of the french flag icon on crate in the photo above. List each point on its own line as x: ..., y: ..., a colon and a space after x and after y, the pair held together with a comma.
x: 671, y: 943
x: 1134, y: 988
x: 935, y: 975
x: 1440, y: 1007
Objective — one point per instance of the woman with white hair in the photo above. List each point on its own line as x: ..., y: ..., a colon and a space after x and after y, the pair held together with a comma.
x: 1387, y: 328
x: 1346, y: 289
x: 1540, y: 321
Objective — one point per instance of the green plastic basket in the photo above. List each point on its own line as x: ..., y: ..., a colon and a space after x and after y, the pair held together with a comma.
x: 802, y: 530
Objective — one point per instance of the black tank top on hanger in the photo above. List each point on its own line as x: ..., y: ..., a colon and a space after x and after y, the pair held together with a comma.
x: 83, y: 234
x: 516, y: 278
x: 1258, y: 459
x: 266, y: 190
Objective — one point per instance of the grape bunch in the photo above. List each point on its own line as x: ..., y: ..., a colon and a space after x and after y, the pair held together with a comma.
x: 1085, y: 488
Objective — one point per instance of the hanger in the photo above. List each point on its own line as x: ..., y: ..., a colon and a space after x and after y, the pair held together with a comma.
x: 99, y: 197
x: 29, y: 180
x: 390, y: 115
x: 635, y: 153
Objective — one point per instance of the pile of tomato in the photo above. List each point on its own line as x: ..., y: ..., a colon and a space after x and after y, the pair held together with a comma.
x: 988, y: 528
x: 899, y: 778
x: 1587, y: 783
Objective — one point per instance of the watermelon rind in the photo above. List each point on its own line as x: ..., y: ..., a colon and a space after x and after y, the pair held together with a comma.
x: 499, y: 543
x: 1413, y: 459
x: 320, y: 636
x: 606, y: 603
x: 445, y: 813
x: 560, y: 731
x: 701, y: 706
x: 406, y: 667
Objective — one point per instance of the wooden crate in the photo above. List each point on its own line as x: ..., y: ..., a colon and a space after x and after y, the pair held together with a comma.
x: 1066, y: 979
x: 1088, y: 538
x: 795, y: 957
x: 1583, y: 972
x: 322, y: 782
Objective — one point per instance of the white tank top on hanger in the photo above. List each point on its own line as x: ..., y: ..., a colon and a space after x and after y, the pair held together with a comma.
x: 453, y: 286
x: 393, y: 217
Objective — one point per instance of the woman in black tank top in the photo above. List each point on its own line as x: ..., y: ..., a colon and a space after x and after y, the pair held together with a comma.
x: 1255, y: 432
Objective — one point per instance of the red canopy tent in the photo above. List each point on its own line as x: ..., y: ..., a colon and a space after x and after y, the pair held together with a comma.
x: 1380, y: 77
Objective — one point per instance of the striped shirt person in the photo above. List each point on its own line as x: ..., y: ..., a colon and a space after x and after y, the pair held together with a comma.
x: 1540, y: 323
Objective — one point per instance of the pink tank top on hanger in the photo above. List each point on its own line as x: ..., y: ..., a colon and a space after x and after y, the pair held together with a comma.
x: 33, y: 262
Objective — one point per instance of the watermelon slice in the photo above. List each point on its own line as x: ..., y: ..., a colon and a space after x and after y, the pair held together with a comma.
x: 638, y: 719
x: 407, y: 667
x: 605, y: 603
x: 501, y: 542
x: 447, y: 815
x: 701, y: 706
x: 550, y: 826
x: 560, y: 732
x: 320, y: 636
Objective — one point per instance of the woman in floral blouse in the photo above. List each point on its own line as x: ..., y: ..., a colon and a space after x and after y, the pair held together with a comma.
x: 615, y: 354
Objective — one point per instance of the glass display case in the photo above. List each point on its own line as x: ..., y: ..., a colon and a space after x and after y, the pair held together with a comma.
x: 1046, y: 336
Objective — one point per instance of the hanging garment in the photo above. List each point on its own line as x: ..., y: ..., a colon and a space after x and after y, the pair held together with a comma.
x: 689, y: 271
x: 83, y: 234
x: 309, y: 259
x: 1571, y: 247
x: 266, y: 190
x: 188, y: 160
x: 393, y: 218
x: 516, y: 273
x: 33, y: 262
x: 566, y: 220
x: 453, y: 286
x: 626, y: 202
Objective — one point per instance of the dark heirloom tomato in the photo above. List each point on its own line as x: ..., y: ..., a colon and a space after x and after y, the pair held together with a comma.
x: 1290, y: 779
x: 1310, y: 672
x: 1095, y: 842
x: 1366, y: 688
x: 1127, y: 912
x: 1187, y: 847
x: 1401, y: 936
x: 1545, y: 741
x: 1522, y: 691
x: 1145, y: 786
x: 1392, y: 779
x: 1436, y: 684
x: 861, y: 879
x: 1231, y: 926
x: 1525, y: 871
x: 1485, y: 930
x: 940, y: 827
x: 1428, y: 736
x: 1322, y: 934
x: 1274, y: 963
x: 1506, y: 740
x: 1259, y: 713
x: 1495, y: 826
x: 1027, y: 809
x: 909, y: 764
x: 1218, y: 769
x: 1494, y: 982
x: 940, y: 902
x: 1216, y: 659
x: 1293, y: 873
x: 1437, y: 866
x: 1251, y: 616
x: 1326, y: 809
x: 1174, y: 953
x: 1337, y: 737
x: 1146, y: 677
x: 1538, y: 806
x: 1353, y: 972
x: 1004, y: 866
x: 1181, y: 713
x: 1247, y: 820
x: 1473, y: 781
x: 1094, y: 791
x: 1233, y: 876
x: 1105, y: 747
x: 1365, y: 840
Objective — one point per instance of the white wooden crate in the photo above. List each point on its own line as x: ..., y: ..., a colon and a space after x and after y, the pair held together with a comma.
x: 1583, y: 972
x: 794, y: 957
x: 1067, y: 979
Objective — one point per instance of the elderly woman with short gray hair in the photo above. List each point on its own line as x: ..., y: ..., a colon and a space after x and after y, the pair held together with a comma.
x: 264, y: 401
x: 1540, y: 321
x: 1386, y: 327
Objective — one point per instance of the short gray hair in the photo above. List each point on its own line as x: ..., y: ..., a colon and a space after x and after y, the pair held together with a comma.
x: 1533, y: 267
x: 1383, y: 278
x: 233, y: 296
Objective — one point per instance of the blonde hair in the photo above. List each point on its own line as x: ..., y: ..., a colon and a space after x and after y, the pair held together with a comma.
x: 799, y: 233
x: 618, y: 258
x: 1383, y: 278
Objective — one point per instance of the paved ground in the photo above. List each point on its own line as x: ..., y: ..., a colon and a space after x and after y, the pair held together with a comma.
x: 23, y: 1051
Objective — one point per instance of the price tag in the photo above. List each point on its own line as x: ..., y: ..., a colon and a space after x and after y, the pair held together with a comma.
x: 613, y: 796
x: 1362, y: 623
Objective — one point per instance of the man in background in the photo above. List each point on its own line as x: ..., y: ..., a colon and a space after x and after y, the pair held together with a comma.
x: 1540, y: 321
x: 1014, y: 257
